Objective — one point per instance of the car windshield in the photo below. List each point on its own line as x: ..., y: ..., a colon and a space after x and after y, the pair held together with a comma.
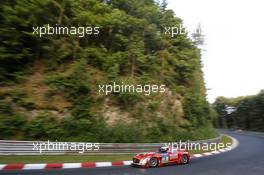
x: 162, y: 150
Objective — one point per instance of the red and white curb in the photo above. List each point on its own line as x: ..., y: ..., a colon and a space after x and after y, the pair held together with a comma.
x: 61, y: 165
x: 97, y: 164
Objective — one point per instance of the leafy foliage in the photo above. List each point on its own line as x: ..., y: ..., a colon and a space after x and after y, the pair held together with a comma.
x: 131, y: 46
x: 247, y: 112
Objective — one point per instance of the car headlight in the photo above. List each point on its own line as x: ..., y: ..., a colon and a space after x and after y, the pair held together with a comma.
x: 144, y: 161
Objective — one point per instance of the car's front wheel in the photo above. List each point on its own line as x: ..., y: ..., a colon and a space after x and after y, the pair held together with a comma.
x: 153, y: 162
x: 184, y: 159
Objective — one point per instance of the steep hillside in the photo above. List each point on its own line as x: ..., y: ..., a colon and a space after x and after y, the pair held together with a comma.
x: 50, y: 84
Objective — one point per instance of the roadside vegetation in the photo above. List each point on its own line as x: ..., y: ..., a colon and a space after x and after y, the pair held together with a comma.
x: 49, y: 85
x: 240, y: 113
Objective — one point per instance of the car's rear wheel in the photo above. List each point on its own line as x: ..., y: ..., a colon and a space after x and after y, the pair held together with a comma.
x: 153, y: 162
x: 184, y: 159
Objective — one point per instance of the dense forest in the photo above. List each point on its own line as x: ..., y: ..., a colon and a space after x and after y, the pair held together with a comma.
x: 49, y: 84
x: 241, y: 112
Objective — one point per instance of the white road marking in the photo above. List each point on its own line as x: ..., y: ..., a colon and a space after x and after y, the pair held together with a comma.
x: 207, y: 154
x: 215, y: 152
x: 72, y: 165
x: 103, y: 164
x: 127, y: 162
x: 34, y: 166
x: 197, y: 155
x: 2, y: 166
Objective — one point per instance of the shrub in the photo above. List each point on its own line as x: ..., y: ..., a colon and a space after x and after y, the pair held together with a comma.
x: 21, y: 98
x: 44, y: 127
x: 11, y: 125
x: 128, y: 99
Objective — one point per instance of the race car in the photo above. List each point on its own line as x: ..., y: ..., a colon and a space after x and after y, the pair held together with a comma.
x: 164, y: 156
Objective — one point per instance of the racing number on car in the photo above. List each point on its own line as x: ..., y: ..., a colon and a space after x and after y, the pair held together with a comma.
x: 165, y: 158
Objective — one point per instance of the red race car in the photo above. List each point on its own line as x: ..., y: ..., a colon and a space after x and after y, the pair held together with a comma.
x: 164, y: 156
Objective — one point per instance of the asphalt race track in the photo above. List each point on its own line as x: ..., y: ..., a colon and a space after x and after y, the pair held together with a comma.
x: 246, y: 159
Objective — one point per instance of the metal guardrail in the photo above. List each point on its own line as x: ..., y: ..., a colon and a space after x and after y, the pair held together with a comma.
x: 12, y: 147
